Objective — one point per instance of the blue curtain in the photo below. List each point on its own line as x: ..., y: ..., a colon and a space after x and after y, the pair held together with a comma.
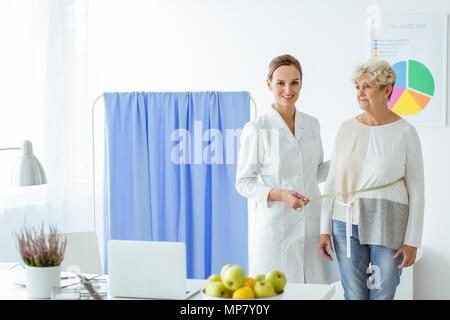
x: 170, y: 168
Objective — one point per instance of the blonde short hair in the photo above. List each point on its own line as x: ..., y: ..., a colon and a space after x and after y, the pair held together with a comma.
x: 378, y: 70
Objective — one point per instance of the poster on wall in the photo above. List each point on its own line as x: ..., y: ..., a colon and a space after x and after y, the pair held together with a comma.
x: 416, y: 47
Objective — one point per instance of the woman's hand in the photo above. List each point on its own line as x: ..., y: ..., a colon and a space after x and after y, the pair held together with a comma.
x: 292, y: 198
x: 324, y: 242
x: 409, y: 256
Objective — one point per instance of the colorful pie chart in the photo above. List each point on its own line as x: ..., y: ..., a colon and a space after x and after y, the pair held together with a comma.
x: 413, y: 88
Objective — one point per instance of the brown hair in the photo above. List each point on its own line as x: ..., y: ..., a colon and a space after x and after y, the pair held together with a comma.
x: 284, y: 60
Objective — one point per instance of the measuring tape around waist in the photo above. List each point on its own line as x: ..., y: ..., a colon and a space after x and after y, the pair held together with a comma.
x: 349, y: 192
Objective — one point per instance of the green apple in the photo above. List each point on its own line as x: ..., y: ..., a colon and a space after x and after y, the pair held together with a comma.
x: 217, y: 289
x: 264, y: 289
x: 260, y: 277
x: 277, y: 279
x: 225, y: 268
x: 233, y: 277
x: 213, y: 277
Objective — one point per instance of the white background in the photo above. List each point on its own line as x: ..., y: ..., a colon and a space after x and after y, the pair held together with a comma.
x: 227, y: 45
x: 169, y: 45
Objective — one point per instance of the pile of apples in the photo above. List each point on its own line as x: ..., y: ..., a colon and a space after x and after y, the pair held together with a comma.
x: 233, y: 283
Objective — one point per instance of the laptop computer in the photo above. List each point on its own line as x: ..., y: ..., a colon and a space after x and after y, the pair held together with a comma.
x: 147, y: 269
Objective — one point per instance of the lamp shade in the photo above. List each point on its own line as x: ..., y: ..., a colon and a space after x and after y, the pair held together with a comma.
x: 28, y: 170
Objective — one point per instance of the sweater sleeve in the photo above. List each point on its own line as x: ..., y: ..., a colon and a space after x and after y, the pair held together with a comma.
x: 324, y: 167
x: 414, y: 179
x: 249, y: 167
x: 328, y: 202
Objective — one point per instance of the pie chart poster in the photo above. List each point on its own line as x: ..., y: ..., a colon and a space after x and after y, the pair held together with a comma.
x: 416, y: 47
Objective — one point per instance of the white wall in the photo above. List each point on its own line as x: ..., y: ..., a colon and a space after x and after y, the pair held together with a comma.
x: 227, y: 45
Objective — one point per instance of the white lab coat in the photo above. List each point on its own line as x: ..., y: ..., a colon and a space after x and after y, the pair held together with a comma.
x: 284, y: 239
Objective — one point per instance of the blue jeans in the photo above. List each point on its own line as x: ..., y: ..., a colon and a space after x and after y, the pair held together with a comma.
x: 360, y: 282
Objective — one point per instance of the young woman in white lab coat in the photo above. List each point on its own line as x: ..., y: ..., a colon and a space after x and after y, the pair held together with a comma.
x: 281, y: 162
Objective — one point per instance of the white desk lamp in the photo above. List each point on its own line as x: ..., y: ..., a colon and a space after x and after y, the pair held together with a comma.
x: 28, y: 170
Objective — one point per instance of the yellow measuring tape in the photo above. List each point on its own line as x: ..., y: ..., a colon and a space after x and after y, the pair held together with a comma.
x: 350, y: 192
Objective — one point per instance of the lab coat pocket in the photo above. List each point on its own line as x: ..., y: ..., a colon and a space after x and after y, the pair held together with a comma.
x: 271, y: 162
x: 267, y: 239
x: 269, y: 152
x: 269, y: 220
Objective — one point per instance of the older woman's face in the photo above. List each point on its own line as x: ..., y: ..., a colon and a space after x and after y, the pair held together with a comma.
x: 369, y: 94
x: 285, y: 85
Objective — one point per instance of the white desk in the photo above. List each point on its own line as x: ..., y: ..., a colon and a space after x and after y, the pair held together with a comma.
x: 292, y: 291
x: 11, y: 291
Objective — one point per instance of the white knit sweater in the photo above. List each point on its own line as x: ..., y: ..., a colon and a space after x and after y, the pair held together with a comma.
x: 368, y: 156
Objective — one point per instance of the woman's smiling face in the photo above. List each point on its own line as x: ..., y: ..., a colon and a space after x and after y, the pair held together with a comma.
x: 285, y: 85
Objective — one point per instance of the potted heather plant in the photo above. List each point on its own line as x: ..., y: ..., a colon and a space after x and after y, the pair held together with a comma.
x: 42, y: 254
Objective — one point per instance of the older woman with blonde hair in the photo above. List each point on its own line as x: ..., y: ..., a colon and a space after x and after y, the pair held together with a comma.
x: 375, y: 232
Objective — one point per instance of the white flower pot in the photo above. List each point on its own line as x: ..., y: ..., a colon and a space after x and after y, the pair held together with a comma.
x: 41, y: 280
